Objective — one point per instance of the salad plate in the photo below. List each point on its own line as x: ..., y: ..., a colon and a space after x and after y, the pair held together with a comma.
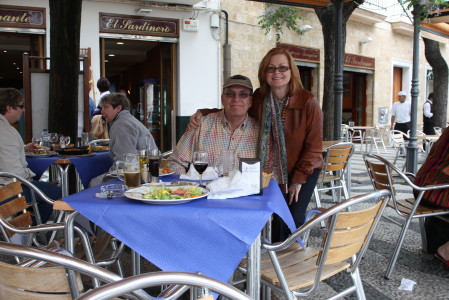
x: 165, y: 172
x: 166, y: 194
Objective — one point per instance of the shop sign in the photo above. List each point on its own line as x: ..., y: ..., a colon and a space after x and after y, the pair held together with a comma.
x: 22, y: 16
x: 302, y: 53
x: 125, y: 24
x: 357, y: 61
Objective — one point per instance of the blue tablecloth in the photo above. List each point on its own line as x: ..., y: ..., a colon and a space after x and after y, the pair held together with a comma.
x: 88, y: 167
x: 205, y: 235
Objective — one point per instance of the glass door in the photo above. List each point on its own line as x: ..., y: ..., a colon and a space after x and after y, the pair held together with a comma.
x: 167, y: 92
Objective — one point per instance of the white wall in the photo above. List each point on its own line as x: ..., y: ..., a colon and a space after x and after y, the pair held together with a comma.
x: 198, y: 64
x: 39, y: 106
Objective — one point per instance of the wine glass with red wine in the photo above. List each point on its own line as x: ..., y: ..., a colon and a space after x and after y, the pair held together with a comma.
x: 200, y: 163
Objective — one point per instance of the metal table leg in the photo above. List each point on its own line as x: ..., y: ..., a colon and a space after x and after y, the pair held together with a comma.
x: 135, y: 257
x: 69, y: 240
x: 253, y: 276
x: 64, y: 168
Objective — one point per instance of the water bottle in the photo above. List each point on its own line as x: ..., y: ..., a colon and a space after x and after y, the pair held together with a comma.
x: 45, y: 138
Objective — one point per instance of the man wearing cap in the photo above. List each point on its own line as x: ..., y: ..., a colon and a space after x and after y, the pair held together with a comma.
x: 400, y: 114
x: 227, y: 129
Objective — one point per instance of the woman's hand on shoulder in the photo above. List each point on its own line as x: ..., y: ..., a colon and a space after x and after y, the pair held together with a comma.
x: 194, y: 120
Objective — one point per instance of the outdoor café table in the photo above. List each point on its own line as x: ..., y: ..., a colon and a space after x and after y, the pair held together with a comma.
x: 87, y: 166
x: 210, y: 236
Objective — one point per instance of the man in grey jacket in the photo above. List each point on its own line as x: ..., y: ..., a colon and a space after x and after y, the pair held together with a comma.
x: 126, y: 133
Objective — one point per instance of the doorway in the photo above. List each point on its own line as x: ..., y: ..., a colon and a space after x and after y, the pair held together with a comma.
x: 354, y: 98
x: 397, y: 82
x: 145, y: 71
x: 13, y: 45
x: 306, y: 77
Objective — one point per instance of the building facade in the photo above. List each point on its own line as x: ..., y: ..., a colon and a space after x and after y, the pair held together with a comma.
x: 167, y: 58
x: 377, y: 63
x: 172, y: 58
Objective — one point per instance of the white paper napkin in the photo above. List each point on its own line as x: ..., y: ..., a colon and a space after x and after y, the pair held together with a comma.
x: 192, y: 174
x: 406, y: 285
x: 233, y: 186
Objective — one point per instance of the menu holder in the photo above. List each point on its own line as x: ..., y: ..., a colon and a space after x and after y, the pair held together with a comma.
x: 251, y: 168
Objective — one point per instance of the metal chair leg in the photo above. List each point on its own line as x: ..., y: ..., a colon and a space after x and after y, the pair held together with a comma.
x: 317, y: 197
x: 397, y: 249
x: 358, y: 284
x: 318, y: 202
x: 423, y: 234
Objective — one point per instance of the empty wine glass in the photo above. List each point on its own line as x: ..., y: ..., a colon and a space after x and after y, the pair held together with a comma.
x: 200, y: 163
x: 36, y: 141
x: 53, y: 137
x: 65, y: 141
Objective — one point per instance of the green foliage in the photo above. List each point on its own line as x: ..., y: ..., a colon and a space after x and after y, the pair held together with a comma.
x: 277, y: 16
x: 426, y: 7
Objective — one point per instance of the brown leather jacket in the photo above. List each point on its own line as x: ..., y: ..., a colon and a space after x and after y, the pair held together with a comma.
x: 303, y: 131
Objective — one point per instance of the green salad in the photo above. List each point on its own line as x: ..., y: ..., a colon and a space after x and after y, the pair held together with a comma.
x: 166, y: 193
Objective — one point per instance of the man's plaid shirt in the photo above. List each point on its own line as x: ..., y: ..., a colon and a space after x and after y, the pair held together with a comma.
x: 213, y: 135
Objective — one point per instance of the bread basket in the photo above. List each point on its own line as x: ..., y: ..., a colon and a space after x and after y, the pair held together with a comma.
x: 266, y: 177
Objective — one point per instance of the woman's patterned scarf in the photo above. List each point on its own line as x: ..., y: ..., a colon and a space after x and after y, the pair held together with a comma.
x: 271, y: 139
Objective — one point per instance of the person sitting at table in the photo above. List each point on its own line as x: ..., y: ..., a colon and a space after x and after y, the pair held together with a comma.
x: 12, y: 151
x: 228, y: 129
x: 126, y: 133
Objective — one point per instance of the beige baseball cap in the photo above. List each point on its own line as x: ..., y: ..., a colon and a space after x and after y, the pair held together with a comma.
x: 238, y: 80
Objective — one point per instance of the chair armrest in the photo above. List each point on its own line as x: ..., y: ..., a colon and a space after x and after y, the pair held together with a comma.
x: 411, y: 175
x: 434, y: 187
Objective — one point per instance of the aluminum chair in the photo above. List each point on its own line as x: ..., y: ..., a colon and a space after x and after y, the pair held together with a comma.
x: 356, y: 136
x: 399, y: 141
x: 437, y: 130
x: 335, y: 165
x: 15, y: 217
x: 297, y: 272
x: 377, y: 139
x: 39, y: 283
x: 16, y: 224
x: 345, y: 133
x: 162, y: 278
x: 421, y: 142
x: 381, y: 173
